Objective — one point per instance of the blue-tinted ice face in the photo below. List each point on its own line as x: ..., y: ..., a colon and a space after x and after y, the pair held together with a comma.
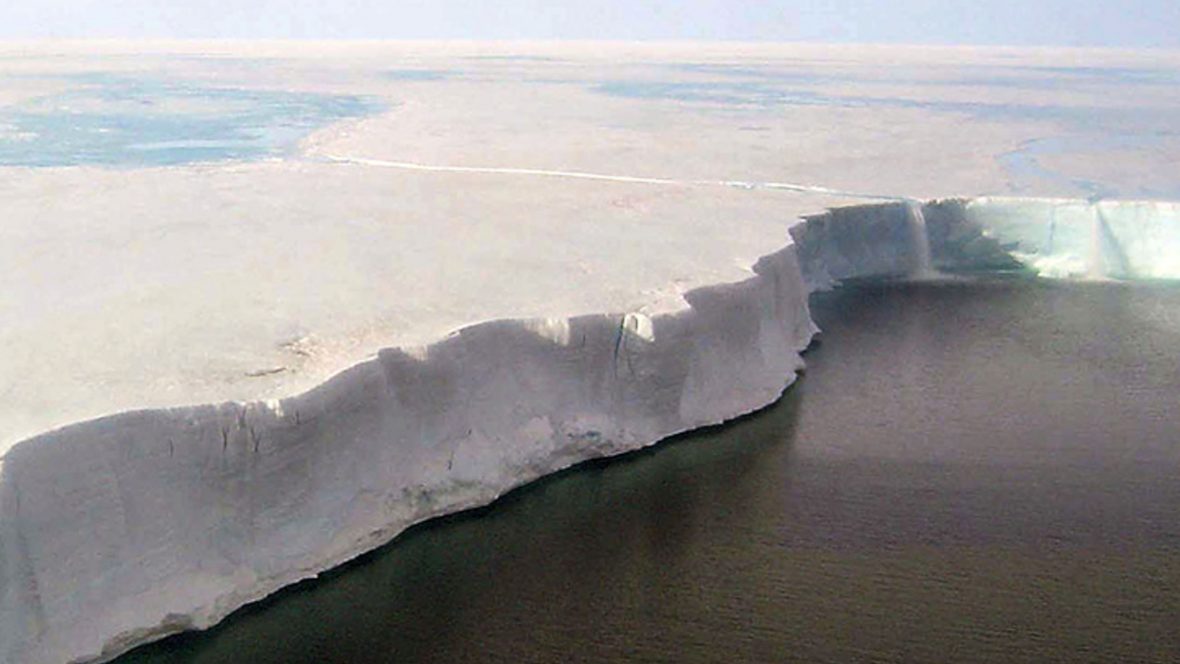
x: 121, y: 121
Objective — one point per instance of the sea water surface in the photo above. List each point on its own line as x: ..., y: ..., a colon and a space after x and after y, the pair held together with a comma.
x: 969, y: 471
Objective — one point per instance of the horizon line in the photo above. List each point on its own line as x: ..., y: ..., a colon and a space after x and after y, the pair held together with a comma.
x: 568, y: 41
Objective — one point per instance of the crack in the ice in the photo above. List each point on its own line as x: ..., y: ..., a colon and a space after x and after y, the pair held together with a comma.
x: 607, y: 177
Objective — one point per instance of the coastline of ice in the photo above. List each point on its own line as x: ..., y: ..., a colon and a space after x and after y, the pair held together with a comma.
x: 184, y: 514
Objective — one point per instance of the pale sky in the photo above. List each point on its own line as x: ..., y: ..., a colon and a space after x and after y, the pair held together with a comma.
x: 1015, y: 22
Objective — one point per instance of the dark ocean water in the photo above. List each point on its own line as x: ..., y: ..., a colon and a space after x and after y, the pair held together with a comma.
x: 969, y: 471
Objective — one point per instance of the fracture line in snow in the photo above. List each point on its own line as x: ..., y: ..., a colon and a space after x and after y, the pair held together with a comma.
x: 582, y: 175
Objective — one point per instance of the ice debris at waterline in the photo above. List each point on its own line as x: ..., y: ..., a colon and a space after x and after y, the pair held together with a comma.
x: 121, y: 530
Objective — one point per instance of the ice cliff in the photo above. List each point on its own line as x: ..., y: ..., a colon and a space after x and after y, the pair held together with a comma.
x: 121, y: 530
x: 1086, y: 238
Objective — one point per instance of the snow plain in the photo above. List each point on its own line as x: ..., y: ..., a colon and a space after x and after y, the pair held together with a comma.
x: 221, y: 377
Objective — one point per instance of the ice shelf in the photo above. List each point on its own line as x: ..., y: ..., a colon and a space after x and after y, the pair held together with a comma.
x: 130, y: 527
x: 222, y: 378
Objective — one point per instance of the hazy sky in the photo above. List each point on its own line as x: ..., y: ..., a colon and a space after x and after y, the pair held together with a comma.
x: 1022, y: 22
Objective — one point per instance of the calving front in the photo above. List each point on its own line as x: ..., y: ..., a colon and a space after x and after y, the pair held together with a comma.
x: 1094, y: 239
x: 127, y: 528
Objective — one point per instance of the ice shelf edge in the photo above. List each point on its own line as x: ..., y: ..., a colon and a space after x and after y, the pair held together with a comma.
x: 125, y: 529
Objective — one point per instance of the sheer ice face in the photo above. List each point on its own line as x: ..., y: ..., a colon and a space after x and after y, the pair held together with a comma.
x: 1086, y: 238
x: 191, y: 512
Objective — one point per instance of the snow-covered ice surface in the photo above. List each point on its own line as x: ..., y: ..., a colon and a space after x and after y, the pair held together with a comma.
x: 221, y: 376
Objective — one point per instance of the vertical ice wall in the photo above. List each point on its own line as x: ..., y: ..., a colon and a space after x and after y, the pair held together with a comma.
x: 121, y: 530
x: 1066, y: 238
x: 902, y: 239
x: 125, y: 529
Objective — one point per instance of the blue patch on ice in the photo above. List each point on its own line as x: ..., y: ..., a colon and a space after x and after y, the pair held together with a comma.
x: 1083, y: 127
x: 418, y: 74
x: 724, y: 92
x: 768, y: 88
x: 1019, y: 76
x: 515, y: 58
x: 113, y: 120
x: 1122, y: 75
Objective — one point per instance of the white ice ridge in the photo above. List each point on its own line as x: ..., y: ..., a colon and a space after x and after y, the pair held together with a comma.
x: 606, y: 177
x: 121, y: 530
